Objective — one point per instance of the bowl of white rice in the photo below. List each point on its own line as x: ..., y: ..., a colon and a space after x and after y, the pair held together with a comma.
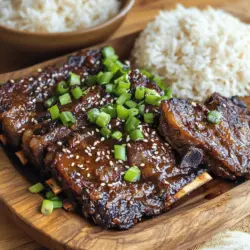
x: 60, y: 25
x: 197, y: 52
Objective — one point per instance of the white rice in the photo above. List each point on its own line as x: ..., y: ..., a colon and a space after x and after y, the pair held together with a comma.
x: 56, y: 15
x: 197, y: 52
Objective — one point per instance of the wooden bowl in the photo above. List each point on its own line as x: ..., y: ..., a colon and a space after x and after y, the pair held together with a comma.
x: 64, y: 41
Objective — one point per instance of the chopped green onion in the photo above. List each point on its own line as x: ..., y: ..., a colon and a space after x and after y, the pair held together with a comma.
x: 67, y: 118
x: 153, y: 99
x: 104, y: 78
x: 133, y: 112
x: 57, y: 204
x: 92, y: 80
x: 51, y: 101
x: 120, y: 152
x: 93, y: 114
x: 110, y: 109
x: 122, y: 112
x: 214, y: 117
x: 123, y: 85
x: 54, y: 112
x: 151, y: 92
x: 119, y: 92
x: 62, y: 88
x: 123, y: 98
x: 139, y: 93
x: 146, y: 73
x: 141, y: 109
x: 105, y: 132
x: 136, y: 135
x: 117, y: 135
x: 49, y: 195
x: 65, y: 99
x: 131, y: 124
x: 108, y: 51
x: 168, y: 93
x: 133, y: 174
x: 55, y: 198
x: 37, y: 188
x: 77, y: 93
x: 47, y: 207
x: 122, y: 79
x: 131, y: 104
x: 111, y: 65
x: 74, y: 79
x: 160, y: 83
x: 149, y: 117
x: 103, y: 119
x: 110, y: 88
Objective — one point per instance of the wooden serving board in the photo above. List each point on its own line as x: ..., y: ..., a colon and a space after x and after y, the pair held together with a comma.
x: 211, y: 208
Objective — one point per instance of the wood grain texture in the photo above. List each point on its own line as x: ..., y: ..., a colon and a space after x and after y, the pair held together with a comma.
x: 194, y: 220
x: 12, y: 238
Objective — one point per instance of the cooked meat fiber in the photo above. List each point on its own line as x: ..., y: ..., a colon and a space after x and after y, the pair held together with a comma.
x: 225, y: 146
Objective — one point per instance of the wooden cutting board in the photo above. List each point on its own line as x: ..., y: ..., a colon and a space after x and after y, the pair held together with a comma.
x: 194, y: 219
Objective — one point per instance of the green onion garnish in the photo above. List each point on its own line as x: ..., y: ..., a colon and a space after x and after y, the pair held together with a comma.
x: 108, y: 51
x: 153, y: 99
x: 214, y: 117
x: 110, y: 88
x: 54, y: 112
x: 49, y: 195
x: 136, y: 135
x: 119, y: 92
x: 120, y: 152
x: 141, y: 109
x: 65, y: 99
x: 93, y: 114
x: 131, y: 124
x: 51, y: 101
x: 74, y: 79
x: 103, y: 119
x: 77, y: 93
x: 105, y: 132
x: 47, y: 207
x: 133, y: 174
x: 131, y: 104
x: 55, y: 198
x: 110, y: 109
x: 123, y: 98
x: 57, y: 204
x: 116, y: 135
x: 104, y: 78
x: 148, y: 117
x: 37, y: 188
x: 62, y: 88
x: 139, y: 93
x: 92, y: 80
x: 67, y: 118
x: 122, y: 112
x: 123, y: 85
x: 111, y: 65
x: 146, y: 73
x: 133, y: 112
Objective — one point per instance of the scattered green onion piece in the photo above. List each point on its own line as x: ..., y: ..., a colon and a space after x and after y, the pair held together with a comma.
x: 92, y: 80
x: 110, y: 109
x: 120, y: 152
x: 108, y: 51
x: 37, y: 188
x: 141, y: 109
x: 146, y: 73
x: 116, y: 135
x: 160, y: 83
x: 74, y: 79
x: 120, y: 64
x: 133, y: 112
x: 93, y: 114
x: 168, y: 93
x: 103, y: 119
x: 49, y: 195
x: 119, y: 92
x: 131, y: 104
x: 131, y: 124
x: 47, y: 207
x: 123, y: 98
x: 110, y: 88
x: 152, y: 99
x: 149, y: 117
x: 123, y: 85
x: 55, y: 198
x: 111, y: 66
x: 51, y: 101
x: 122, y: 112
x: 65, y: 99
x: 105, y: 132
x: 67, y: 118
x: 123, y: 78
x: 214, y: 117
x: 54, y: 112
x: 151, y: 92
x: 77, y: 93
x: 133, y: 174
x: 104, y: 78
x: 57, y: 204
x: 62, y: 88
x: 136, y: 135
x: 139, y: 93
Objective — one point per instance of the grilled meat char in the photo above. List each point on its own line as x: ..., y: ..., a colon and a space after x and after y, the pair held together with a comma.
x: 225, y: 146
